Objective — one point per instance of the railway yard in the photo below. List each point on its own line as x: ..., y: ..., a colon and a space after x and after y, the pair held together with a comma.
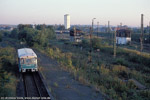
x: 65, y: 73
x: 74, y: 50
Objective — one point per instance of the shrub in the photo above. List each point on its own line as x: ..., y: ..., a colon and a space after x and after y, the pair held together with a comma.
x: 145, y: 94
x: 121, y: 61
x: 50, y: 52
x: 104, y: 70
x: 96, y: 43
x: 119, y: 68
x: 85, y: 43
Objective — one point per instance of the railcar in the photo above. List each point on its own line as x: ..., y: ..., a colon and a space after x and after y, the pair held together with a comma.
x: 27, y: 60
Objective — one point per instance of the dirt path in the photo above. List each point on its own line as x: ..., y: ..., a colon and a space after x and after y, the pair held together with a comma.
x: 63, y: 86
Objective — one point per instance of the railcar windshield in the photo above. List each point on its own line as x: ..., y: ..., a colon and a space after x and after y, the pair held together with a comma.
x: 28, y: 61
x: 22, y: 61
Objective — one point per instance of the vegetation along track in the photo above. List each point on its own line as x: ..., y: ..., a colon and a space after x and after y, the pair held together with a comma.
x: 34, y: 86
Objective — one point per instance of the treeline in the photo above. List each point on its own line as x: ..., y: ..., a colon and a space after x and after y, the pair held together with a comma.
x: 32, y: 35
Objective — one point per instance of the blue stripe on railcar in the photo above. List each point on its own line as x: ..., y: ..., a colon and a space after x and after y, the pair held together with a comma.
x: 25, y: 66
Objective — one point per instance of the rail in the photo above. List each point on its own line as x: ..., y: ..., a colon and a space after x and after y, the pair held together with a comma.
x: 34, y: 87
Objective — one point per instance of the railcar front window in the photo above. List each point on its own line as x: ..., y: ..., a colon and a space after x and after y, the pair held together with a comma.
x: 31, y: 61
x: 22, y: 61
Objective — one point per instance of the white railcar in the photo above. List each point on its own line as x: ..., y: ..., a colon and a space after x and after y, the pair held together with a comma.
x: 27, y: 60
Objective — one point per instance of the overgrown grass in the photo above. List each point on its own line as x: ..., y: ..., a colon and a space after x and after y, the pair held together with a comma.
x: 105, y: 73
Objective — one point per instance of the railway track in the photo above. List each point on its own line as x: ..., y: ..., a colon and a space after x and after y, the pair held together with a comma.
x: 34, y: 87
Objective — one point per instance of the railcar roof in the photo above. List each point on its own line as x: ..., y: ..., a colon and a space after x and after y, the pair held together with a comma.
x: 26, y: 52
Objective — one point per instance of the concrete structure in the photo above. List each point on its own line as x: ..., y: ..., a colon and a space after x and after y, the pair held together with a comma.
x: 123, y: 36
x: 67, y: 21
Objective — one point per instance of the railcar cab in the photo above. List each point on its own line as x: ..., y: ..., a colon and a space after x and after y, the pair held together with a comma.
x: 27, y: 60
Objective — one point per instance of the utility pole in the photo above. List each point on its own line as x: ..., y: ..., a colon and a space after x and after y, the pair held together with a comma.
x: 97, y: 28
x: 90, y: 58
x: 91, y: 32
x: 120, y: 25
x: 105, y: 29
x: 108, y: 27
x: 149, y: 32
x: 108, y: 31
x: 142, y: 31
x: 115, y: 43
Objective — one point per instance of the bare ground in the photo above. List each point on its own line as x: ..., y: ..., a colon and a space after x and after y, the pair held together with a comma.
x: 61, y: 84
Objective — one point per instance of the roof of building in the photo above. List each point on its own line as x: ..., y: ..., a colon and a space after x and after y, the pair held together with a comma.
x: 26, y: 53
x: 66, y: 14
x: 123, y: 31
x: 75, y: 32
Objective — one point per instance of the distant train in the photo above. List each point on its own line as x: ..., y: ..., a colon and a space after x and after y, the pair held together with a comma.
x: 27, y: 60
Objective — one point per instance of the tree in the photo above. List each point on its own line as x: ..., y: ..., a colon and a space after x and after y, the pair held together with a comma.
x: 22, y: 26
x: 28, y: 35
x: 40, y: 27
x: 41, y: 35
x: 14, y: 33
x: 0, y: 36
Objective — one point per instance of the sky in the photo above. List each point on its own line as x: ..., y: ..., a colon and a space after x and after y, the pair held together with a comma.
x: 127, y: 12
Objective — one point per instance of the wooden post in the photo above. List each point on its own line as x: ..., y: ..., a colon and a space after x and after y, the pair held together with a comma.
x: 149, y: 32
x: 90, y: 58
x: 108, y: 30
x: 115, y: 44
x: 97, y: 28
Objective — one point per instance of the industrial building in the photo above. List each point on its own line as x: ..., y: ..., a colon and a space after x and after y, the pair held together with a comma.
x: 67, y: 21
x: 123, y: 36
x: 75, y: 35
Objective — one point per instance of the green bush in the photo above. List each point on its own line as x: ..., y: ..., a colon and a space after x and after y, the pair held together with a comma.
x: 96, y: 43
x: 121, y: 61
x: 8, y: 68
x: 145, y: 94
x: 85, y: 43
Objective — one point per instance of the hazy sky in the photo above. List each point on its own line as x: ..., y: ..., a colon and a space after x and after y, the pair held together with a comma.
x: 81, y: 11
